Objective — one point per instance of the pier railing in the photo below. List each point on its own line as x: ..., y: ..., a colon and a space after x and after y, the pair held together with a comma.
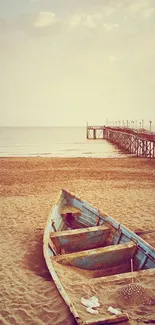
x: 138, y: 142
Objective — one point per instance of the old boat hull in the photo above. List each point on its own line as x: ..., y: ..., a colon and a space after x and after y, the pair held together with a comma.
x: 79, y: 238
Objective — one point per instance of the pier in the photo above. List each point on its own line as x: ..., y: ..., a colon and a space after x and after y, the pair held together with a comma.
x: 138, y: 142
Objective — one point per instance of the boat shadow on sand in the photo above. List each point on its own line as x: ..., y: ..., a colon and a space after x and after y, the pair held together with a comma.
x: 34, y: 259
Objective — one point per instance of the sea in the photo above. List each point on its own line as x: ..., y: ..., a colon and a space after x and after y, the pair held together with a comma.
x: 53, y: 142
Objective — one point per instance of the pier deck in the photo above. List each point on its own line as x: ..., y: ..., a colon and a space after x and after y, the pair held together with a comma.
x: 138, y: 142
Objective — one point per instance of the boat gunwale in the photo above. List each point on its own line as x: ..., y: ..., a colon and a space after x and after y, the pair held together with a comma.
x: 52, y: 269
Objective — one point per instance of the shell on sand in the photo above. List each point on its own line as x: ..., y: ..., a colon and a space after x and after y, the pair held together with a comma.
x: 123, y: 188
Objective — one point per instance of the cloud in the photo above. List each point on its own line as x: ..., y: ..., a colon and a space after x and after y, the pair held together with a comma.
x: 28, y: 26
x: 76, y: 20
x: 89, y: 22
x: 148, y: 13
x: 45, y: 19
x: 144, y: 8
x: 112, y: 58
x: 110, y: 27
x: 85, y: 20
x: 138, y: 5
x: 108, y: 10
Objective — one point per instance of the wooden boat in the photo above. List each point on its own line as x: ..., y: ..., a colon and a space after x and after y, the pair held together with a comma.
x: 84, y: 248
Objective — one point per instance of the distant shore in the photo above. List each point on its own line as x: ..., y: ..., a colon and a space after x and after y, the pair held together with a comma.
x: 121, y: 187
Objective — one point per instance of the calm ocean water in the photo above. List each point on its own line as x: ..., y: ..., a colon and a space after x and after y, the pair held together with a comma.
x: 52, y: 142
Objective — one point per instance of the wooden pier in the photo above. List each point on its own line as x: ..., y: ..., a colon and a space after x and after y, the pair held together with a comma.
x: 138, y: 142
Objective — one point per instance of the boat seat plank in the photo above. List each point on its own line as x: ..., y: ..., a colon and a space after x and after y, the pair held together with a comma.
x: 107, y: 320
x: 80, y: 239
x: 100, y: 258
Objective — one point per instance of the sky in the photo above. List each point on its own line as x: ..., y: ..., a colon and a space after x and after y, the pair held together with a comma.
x: 69, y: 62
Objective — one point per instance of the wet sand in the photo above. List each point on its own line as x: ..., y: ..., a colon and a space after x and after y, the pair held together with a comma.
x: 123, y: 188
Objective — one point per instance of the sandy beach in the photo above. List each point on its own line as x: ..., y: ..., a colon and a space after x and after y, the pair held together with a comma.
x: 123, y: 188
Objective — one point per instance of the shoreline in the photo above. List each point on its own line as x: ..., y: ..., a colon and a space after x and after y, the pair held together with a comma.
x: 118, y: 156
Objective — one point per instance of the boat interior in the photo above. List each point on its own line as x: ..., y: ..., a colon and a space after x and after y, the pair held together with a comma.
x: 85, y: 245
x: 83, y: 237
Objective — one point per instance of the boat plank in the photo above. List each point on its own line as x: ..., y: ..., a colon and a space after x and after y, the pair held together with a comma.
x: 107, y: 320
x: 100, y: 258
x: 123, y: 277
x: 80, y: 239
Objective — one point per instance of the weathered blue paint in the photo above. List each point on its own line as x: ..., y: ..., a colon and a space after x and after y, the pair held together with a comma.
x: 63, y: 241
x: 113, y: 222
x: 49, y: 252
x: 96, y: 259
x: 73, y: 241
x: 142, y: 262
x: 95, y: 262
x: 124, y: 239
x: 138, y: 260
x: 150, y: 264
x: 145, y: 246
